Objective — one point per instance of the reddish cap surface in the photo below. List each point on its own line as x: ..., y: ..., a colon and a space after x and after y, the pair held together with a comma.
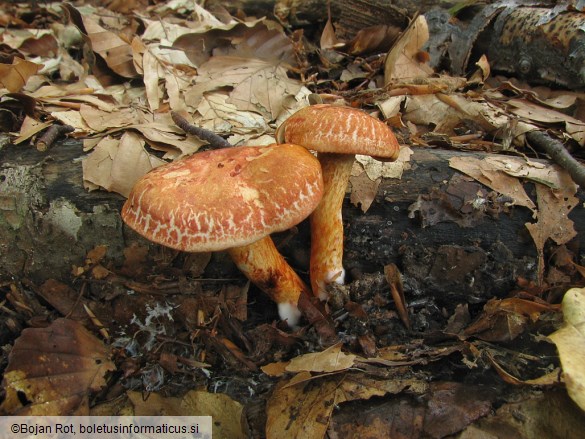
x: 336, y: 129
x: 225, y: 198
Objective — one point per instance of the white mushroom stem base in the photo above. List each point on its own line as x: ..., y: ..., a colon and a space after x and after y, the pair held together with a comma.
x: 327, y: 224
x: 268, y: 270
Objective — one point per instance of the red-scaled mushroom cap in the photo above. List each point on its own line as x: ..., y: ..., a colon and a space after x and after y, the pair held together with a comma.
x: 225, y: 198
x: 342, y: 130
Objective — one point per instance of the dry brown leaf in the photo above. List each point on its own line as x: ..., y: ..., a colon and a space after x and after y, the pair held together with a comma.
x: 257, y: 85
x: 492, y: 175
x: 152, y: 72
x: 378, y: 38
x: 116, y: 165
x: 376, y: 169
x: 165, y: 138
x: 116, y: 52
x: 221, y: 116
x: 391, y: 107
x: 504, y: 320
x: 553, y: 210
x: 130, y: 163
x: 445, y: 116
x: 330, y: 360
x: 402, y: 61
x: 98, y: 101
x: 201, y: 18
x: 539, y: 113
x: 29, y: 128
x: 482, y: 72
x: 55, y: 369
x: 173, y: 85
x: 394, y: 278
x: 62, y: 90
x: 96, y: 254
x: 549, y: 379
x: 14, y: 76
x: 570, y: 342
x: 72, y: 118
x: 548, y: 410
x: 266, y: 41
x: 539, y: 172
x: 303, y: 407
x: 367, y: 174
x: 253, y: 38
x: 64, y: 299
x: 553, y: 220
x: 227, y: 414
x: 363, y: 190
x: 362, y: 386
x: 15, y: 37
x: 275, y: 369
x: 302, y: 411
x: 328, y: 38
x: 100, y: 120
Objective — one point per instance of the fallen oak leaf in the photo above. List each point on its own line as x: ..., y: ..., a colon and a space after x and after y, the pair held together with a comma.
x: 505, y: 319
x: 53, y: 370
x: 301, y: 410
x: 227, y: 414
x: 116, y: 52
x: 14, y: 76
x: 549, y: 379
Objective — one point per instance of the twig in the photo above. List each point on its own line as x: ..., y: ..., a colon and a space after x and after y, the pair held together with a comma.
x: 53, y: 133
x: 323, y: 325
x: 559, y: 155
x: 212, y: 139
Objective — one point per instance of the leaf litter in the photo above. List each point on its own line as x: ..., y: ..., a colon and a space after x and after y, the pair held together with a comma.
x: 246, y: 80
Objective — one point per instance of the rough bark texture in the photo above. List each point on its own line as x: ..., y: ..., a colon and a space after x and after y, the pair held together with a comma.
x: 48, y: 222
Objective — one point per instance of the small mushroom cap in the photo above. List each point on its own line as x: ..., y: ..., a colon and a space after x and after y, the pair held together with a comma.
x: 336, y: 129
x: 225, y: 198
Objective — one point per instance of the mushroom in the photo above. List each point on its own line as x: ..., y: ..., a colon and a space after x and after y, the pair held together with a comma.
x: 233, y: 199
x: 337, y: 134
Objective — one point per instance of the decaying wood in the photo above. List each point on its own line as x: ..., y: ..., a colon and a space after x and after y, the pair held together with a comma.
x: 538, y: 44
x: 48, y: 223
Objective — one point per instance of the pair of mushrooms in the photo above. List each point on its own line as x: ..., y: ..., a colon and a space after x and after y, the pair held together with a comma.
x: 233, y: 199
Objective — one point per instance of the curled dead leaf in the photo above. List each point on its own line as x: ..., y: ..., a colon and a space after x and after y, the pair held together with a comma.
x: 14, y: 76
x: 53, y: 370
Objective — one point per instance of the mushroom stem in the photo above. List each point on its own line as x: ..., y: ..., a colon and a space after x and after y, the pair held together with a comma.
x: 327, y: 224
x: 268, y: 270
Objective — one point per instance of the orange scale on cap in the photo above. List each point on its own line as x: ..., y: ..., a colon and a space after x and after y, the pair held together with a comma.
x: 224, y: 198
x: 337, y: 129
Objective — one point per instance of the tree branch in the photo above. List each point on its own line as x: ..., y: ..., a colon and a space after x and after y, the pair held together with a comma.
x: 559, y: 155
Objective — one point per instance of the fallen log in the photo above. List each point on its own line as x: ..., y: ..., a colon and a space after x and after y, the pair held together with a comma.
x: 423, y: 222
x: 543, y: 45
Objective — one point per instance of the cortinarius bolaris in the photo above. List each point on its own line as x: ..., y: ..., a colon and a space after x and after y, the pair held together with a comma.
x: 232, y: 199
x: 337, y: 134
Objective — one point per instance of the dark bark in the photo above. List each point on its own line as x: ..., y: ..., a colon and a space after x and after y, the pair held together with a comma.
x: 48, y: 222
